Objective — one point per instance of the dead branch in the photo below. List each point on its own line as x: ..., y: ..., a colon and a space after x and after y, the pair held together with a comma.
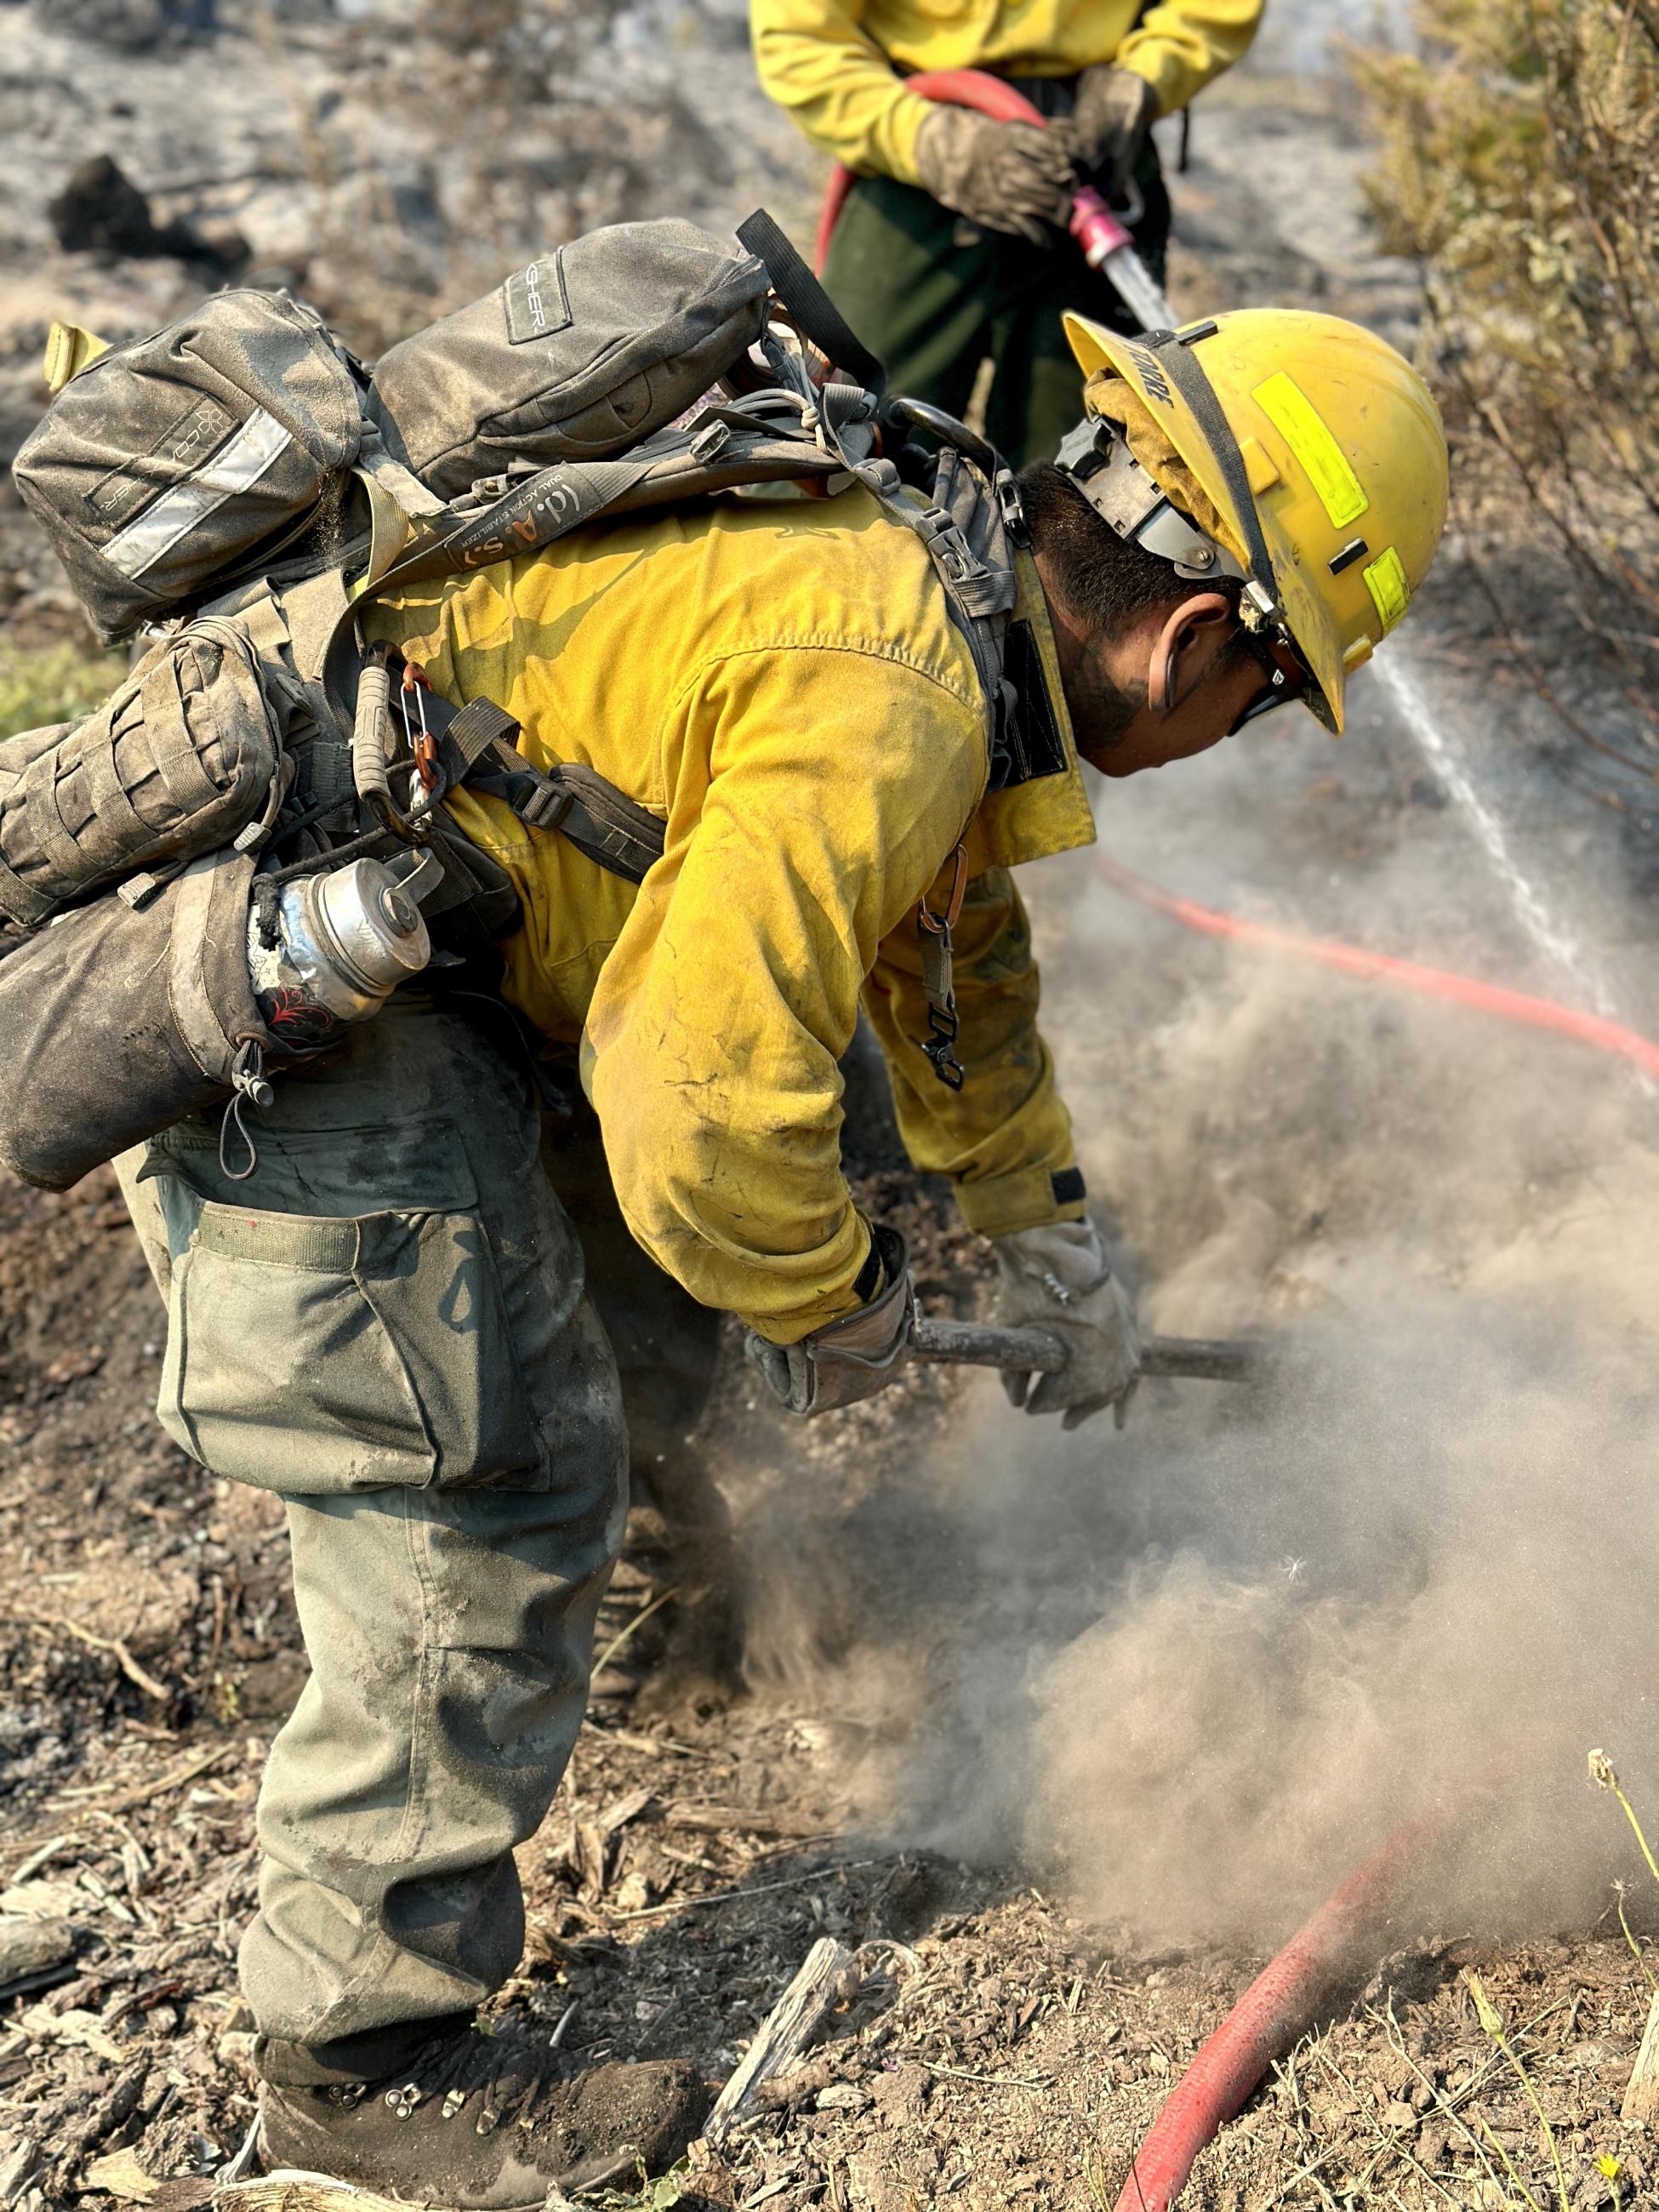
x: 828, y: 1976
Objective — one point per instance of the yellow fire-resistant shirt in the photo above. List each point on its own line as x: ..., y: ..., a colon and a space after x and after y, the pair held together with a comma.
x: 781, y: 681
x: 837, y: 65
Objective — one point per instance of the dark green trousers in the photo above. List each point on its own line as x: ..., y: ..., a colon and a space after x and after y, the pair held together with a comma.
x: 932, y: 296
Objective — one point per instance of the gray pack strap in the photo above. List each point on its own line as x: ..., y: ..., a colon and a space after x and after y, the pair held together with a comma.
x: 965, y: 533
x: 613, y: 830
x: 1174, y: 352
x: 809, y: 306
x: 529, y: 515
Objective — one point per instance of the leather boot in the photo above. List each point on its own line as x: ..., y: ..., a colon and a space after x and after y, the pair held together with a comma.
x: 468, y: 2119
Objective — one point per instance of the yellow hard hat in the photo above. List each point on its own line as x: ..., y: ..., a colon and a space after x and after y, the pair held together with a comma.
x: 1323, y: 455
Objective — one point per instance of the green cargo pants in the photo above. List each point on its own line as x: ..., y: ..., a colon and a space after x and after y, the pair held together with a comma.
x: 932, y: 296
x: 386, y: 1325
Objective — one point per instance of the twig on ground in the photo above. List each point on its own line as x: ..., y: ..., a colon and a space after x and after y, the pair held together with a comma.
x: 638, y: 1621
x: 123, y: 1658
x: 653, y: 1745
x: 1641, y: 2104
x: 829, y: 1973
x: 994, y: 2080
x: 727, y: 1896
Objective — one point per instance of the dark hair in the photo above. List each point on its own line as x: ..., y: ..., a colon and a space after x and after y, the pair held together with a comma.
x: 1103, y: 580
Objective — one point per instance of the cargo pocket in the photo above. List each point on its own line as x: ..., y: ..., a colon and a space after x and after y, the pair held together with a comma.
x: 311, y: 1354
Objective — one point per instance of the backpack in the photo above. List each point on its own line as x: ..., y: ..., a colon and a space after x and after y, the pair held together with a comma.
x: 240, y: 478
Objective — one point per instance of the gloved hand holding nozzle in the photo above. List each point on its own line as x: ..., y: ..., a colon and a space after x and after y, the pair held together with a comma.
x: 1058, y: 1278
x: 1108, y: 126
x: 1012, y: 177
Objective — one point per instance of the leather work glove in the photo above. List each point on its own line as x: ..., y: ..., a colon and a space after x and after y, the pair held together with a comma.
x: 1059, y: 1278
x: 1004, y: 176
x: 852, y: 1358
x: 1108, y: 127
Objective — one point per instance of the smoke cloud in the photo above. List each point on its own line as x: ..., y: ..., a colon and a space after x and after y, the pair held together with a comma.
x: 1193, y: 1672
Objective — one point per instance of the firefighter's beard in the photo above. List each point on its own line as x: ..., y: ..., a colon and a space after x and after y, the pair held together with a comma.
x: 1103, y: 711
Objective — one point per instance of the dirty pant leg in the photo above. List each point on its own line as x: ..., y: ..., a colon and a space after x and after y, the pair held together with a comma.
x: 451, y: 1635
x: 386, y: 1324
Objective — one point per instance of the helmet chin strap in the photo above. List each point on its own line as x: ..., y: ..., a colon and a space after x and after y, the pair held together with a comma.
x: 1202, y: 612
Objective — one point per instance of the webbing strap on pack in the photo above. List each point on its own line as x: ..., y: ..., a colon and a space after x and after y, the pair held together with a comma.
x: 813, y: 312
x: 596, y: 818
x: 527, y: 516
x: 1174, y: 352
x: 476, y: 727
x: 476, y: 746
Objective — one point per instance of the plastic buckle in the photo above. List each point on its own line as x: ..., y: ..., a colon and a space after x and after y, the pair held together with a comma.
x: 1012, y: 507
x: 938, y: 1046
x: 708, y: 441
x: 546, y: 807
x: 949, y: 546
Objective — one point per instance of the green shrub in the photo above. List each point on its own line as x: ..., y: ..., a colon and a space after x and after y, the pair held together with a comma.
x: 52, y: 682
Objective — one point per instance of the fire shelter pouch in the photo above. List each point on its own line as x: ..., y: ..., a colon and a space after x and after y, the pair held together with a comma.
x: 118, y: 1021
x: 166, y: 463
x: 184, y: 754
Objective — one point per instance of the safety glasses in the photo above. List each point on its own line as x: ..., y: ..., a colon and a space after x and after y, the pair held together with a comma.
x: 1287, y: 679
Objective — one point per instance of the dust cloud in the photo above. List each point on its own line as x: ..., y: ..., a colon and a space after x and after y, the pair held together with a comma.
x: 1190, y: 1674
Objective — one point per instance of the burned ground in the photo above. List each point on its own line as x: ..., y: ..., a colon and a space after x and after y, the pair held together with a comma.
x: 1051, y: 1725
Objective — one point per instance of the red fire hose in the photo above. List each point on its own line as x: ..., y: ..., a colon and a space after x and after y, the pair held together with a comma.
x: 1381, y: 967
x: 1094, y: 225
x: 1279, y: 2006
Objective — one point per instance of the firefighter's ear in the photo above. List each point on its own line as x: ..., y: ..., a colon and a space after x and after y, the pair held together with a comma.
x: 1199, y: 611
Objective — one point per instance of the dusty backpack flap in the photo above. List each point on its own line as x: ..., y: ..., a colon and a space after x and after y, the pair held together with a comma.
x: 168, y: 463
x: 577, y: 357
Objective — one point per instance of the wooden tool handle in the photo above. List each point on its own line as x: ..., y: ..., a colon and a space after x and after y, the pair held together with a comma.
x: 1038, y: 1351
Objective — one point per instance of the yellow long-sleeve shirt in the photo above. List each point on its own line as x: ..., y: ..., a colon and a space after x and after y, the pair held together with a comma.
x: 781, y: 682
x: 838, y: 65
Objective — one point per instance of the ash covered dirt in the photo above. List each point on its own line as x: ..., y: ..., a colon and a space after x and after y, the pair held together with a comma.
x: 970, y: 1729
